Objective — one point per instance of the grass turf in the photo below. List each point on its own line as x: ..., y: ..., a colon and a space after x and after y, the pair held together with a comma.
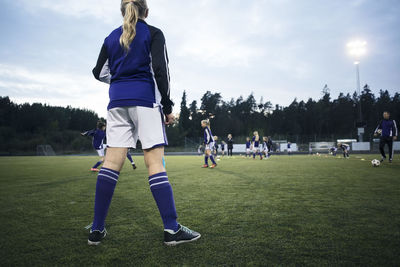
x: 298, y: 210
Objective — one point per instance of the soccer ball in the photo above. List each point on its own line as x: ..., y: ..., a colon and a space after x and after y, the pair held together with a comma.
x: 375, y: 163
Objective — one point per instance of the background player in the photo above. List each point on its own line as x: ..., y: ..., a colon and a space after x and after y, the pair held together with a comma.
x: 248, y: 147
x: 345, y: 148
x: 98, y: 136
x: 134, y: 61
x: 289, y: 148
x: 208, y: 144
x: 333, y: 151
x: 255, y: 144
x: 230, y: 144
x: 265, y: 147
x: 223, y: 144
x: 387, y: 129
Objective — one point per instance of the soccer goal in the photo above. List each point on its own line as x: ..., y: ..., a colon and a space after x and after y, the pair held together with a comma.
x: 45, y: 150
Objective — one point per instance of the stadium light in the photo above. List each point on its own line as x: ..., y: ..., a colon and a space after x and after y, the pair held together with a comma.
x: 356, y: 49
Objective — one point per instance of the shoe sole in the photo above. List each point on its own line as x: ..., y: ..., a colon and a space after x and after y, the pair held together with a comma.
x: 174, y: 243
x: 91, y: 243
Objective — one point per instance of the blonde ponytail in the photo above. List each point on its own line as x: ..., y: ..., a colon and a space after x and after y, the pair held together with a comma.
x: 131, y: 10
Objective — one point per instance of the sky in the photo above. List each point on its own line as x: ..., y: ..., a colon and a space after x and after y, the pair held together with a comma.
x: 276, y: 49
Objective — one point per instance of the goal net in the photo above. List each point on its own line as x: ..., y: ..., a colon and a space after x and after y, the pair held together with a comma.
x: 45, y: 150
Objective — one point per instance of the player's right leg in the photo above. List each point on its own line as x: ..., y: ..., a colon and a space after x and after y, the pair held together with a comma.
x: 106, y: 182
x: 382, y: 148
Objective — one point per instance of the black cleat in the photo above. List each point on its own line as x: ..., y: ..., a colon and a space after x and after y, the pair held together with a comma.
x: 96, y: 236
x: 183, y: 235
x: 390, y: 160
x: 382, y: 160
x: 134, y: 166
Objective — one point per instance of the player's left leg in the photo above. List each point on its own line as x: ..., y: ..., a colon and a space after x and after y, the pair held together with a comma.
x: 161, y: 189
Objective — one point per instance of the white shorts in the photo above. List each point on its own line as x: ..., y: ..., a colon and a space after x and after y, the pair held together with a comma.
x: 127, y: 125
x: 256, y: 149
x: 100, y: 152
x: 266, y: 150
x: 247, y: 150
x: 210, y: 146
x: 289, y: 150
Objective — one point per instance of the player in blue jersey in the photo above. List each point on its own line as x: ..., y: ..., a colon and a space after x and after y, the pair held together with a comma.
x: 134, y: 61
x: 345, y: 148
x: 248, y: 147
x: 208, y: 144
x: 265, y: 149
x: 230, y: 144
x: 387, y: 129
x: 270, y: 146
x: 333, y: 151
x: 98, y: 136
x: 216, y: 146
x: 255, y: 144
x: 289, y: 148
x: 223, y: 144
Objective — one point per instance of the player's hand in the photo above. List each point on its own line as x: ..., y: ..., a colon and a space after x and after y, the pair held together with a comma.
x: 169, y: 119
x: 394, y: 138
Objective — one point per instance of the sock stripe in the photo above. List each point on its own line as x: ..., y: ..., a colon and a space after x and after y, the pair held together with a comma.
x: 155, y: 178
x: 114, y: 174
x: 107, y: 176
x: 159, y: 183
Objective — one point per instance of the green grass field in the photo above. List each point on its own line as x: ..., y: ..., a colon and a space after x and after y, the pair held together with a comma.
x: 299, y: 210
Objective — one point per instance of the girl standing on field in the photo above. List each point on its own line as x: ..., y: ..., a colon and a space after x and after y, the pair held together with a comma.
x: 134, y: 61
x: 208, y: 144
x: 256, y: 145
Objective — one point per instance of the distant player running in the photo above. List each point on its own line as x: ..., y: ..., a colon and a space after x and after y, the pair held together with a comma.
x: 387, y: 129
x: 208, y: 144
x: 134, y: 61
x: 255, y: 144
x: 345, y: 148
x: 98, y: 136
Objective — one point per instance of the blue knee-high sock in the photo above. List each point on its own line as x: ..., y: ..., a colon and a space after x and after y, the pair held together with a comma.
x: 130, y: 158
x: 97, y: 164
x: 164, y: 197
x: 106, y: 182
x: 212, y: 159
x: 254, y: 155
x: 206, y: 160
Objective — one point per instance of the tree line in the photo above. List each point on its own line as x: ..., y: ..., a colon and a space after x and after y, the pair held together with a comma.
x: 24, y: 126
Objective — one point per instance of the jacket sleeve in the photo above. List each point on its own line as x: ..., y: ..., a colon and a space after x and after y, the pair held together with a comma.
x: 89, y: 133
x: 102, y: 71
x: 379, y: 127
x: 160, y: 62
x: 395, y: 130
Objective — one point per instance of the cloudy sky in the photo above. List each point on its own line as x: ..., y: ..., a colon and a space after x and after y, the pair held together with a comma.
x: 277, y: 49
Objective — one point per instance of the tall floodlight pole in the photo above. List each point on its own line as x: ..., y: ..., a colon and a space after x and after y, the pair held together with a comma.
x: 356, y: 50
